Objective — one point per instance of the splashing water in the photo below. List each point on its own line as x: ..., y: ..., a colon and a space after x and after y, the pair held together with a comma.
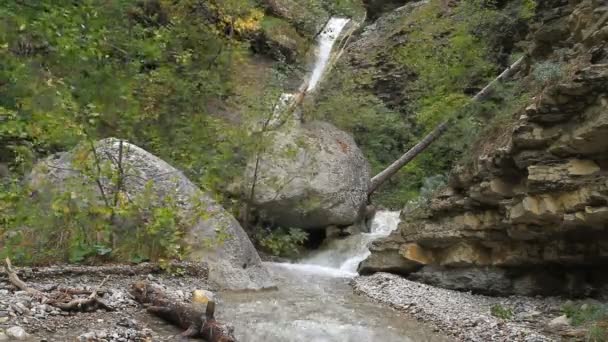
x: 314, y: 301
x: 341, y: 257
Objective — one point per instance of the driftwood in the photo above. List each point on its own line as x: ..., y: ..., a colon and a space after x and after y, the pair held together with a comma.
x: 189, y: 268
x: 61, y: 298
x: 195, y: 321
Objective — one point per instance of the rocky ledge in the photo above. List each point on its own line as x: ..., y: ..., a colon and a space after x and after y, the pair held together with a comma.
x: 529, y: 213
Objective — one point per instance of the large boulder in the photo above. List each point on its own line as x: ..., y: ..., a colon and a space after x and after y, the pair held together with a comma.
x: 233, y: 261
x: 313, y: 175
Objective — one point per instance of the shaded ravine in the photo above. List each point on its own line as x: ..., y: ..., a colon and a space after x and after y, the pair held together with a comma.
x: 314, y: 301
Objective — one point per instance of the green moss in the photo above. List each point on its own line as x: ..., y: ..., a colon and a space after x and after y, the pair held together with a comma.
x: 501, y: 312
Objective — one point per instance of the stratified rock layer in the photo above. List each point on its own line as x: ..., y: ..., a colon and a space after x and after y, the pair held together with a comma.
x: 529, y: 214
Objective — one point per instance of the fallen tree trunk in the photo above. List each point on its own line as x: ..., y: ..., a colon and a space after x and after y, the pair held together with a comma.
x: 189, y: 268
x: 61, y: 299
x: 387, y: 173
x: 195, y: 321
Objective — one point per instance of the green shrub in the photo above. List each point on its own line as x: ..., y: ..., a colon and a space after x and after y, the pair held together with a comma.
x: 77, y: 222
x: 501, y: 312
x: 594, y: 317
x: 282, y: 242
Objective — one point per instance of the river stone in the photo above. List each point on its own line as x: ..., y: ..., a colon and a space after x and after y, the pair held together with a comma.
x: 559, y: 322
x: 233, y: 263
x: 17, y: 333
x: 312, y: 176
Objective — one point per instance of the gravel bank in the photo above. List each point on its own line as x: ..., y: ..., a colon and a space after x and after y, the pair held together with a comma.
x: 128, y: 323
x: 465, y: 316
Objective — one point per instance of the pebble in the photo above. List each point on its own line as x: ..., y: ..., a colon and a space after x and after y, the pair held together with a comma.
x: 465, y: 316
x: 17, y: 333
x: 559, y: 322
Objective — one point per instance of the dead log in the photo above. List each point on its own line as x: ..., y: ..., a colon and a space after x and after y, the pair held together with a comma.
x: 195, y: 321
x: 60, y: 299
x: 189, y: 268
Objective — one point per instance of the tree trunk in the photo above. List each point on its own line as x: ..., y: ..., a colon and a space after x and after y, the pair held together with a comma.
x: 191, y: 317
x: 387, y: 173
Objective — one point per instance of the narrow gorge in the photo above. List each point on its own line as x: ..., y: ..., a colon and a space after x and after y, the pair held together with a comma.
x: 319, y: 170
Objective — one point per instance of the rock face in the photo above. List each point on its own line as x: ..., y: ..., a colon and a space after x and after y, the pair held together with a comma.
x: 312, y: 176
x: 234, y: 263
x: 529, y: 214
x: 307, y: 18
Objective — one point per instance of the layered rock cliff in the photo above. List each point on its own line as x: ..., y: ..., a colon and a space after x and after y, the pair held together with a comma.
x: 528, y: 213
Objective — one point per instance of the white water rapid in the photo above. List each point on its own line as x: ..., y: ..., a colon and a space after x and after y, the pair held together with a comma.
x: 340, y: 257
x: 315, y: 303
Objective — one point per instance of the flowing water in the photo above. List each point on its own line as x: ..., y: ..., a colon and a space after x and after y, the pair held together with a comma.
x: 326, y: 40
x: 325, y: 43
x: 315, y: 303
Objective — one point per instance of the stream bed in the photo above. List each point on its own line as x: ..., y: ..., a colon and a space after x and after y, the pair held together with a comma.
x: 315, y: 304
x: 315, y: 301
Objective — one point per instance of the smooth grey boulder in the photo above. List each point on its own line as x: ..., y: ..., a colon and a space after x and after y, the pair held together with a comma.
x: 233, y: 263
x: 311, y: 176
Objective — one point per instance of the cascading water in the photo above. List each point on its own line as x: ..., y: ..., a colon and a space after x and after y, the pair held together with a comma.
x: 314, y: 301
x: 325, y: 43
x: 340, y: 257
x: 327, y: 39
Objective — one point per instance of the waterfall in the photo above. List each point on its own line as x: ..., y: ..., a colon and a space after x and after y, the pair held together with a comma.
x: 325, y: 43
x: 326, y: 40
x: 340, y: 257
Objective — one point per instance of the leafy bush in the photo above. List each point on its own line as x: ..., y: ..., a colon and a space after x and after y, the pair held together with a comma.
x: 501, y: 312
x: 282, y: 242
x: 91, y: 217
x: 593, y: 316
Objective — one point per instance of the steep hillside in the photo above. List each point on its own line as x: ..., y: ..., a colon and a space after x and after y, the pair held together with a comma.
x: 409, y: 69
x: 526, y: 212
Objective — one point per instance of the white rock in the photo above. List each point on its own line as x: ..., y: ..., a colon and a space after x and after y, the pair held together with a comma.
x: 559, y: 322
x: 17, y: 333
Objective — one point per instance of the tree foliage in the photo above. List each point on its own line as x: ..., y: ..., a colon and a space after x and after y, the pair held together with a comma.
x: 440, y: 56
x: 164, y: 75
